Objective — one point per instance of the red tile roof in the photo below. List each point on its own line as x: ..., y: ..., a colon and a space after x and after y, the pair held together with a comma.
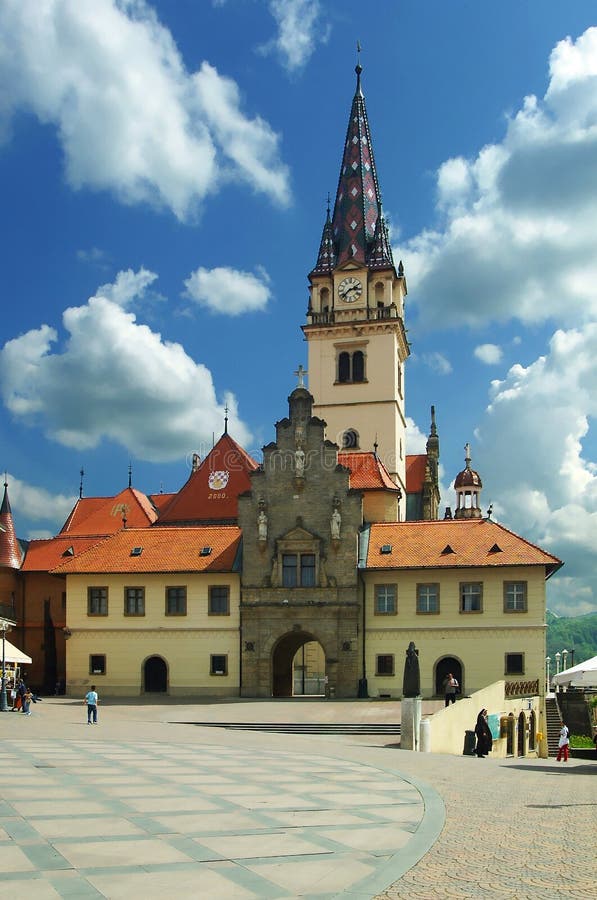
x: 41, y: 556
x: 415, y: 473
x: 474, y: 542
x: 211, y: 493
x: 170, y: 549
x: 367, y: 472
x: 103, y: 515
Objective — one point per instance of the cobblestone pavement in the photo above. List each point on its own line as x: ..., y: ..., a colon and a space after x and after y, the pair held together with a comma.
x: 523, y: 829
x: 147, y: 804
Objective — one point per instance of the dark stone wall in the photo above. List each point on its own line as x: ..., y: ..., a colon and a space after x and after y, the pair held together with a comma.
x: 298, y: 496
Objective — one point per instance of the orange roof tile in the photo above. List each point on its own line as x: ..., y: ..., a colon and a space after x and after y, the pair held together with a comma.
x: 474, y: 542
x: 367, y: 472
x: 103, y: 515
x: 415, y: 472
x: 212, y: 490
x: 168, y: 549
x: 41, y: 556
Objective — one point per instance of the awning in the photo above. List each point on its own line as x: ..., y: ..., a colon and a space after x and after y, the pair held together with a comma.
x: 12, y: 654
x: 582, y: 675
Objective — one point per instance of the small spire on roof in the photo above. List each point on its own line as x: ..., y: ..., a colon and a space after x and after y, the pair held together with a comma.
x: 81, y: 473
x: 226, y: 419
x: 130, y: 475
x: 358, y: 68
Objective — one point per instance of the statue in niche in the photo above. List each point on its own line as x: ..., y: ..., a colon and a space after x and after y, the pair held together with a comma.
x: 262, y: 525
x: 411, y: 685
x: 335, y: 521
x: 299, y: 462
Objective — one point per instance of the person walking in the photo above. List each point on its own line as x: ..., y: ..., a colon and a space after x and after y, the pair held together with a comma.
x: 27, y: 698
x: 484, y: 736
x: 563, y: 743
x: 450, y: 689
x: 91, y: 699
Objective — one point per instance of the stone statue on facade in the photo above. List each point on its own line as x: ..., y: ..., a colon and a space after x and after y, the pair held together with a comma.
x: 262, y: 525
x: 299, y: 462
x: 411, y: 686
x: 335, y: 523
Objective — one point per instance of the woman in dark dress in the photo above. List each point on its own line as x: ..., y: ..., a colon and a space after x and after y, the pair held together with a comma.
x: 484, y: 738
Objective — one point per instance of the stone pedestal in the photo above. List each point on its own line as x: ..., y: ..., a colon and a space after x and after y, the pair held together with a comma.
x: 410, y: 723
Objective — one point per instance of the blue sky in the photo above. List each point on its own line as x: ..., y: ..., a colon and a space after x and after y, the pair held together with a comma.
x: 164, y: 169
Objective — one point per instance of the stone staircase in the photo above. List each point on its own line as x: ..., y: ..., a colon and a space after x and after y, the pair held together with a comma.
x: 305, y: 727
x: 553, y: 725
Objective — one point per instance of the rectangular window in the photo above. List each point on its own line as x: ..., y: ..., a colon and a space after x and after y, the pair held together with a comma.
x: 218, y: 664
x: 289, y: 573
x: 384, y: 664
x: 427, y: 598
x: 97, y: 664
x: 134, y: 601
x: 298, y: 570
x: 97, y: 601
x: 307, y: 569
x: 471, y: 597
x: 515, y: 596
x: 176, y: 601
x: 514, y: 664
x: 385, y: 599
x: 219, y: 600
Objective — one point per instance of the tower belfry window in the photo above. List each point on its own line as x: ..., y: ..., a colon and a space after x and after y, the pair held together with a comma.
x: 351, y: 367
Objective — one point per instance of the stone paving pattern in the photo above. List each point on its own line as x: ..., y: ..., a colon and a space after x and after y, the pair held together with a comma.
x: 145, y: 804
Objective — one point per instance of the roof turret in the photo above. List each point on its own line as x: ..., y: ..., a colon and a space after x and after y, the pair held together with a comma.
x: 10, y: 552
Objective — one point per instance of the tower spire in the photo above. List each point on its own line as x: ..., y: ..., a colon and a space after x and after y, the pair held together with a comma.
x: 10, y: 552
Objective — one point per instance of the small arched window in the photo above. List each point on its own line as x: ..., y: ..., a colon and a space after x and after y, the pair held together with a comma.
x: 358, y: 366
x: 324, y: 297
x: 344, y: 367
x: 379, y: 292
x: 350, y: 440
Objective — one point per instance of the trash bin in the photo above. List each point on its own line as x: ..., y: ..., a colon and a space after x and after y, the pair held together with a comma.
x: 469, y: 743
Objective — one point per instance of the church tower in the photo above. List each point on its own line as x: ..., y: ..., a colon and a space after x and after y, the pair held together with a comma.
x: 355, y: 331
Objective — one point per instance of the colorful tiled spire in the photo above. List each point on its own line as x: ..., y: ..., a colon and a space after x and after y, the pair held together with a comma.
x: 326, y: 258
x: 358, y: 200
x: 10, y: 552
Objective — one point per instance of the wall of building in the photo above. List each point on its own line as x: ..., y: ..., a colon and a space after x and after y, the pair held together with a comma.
x: 185, y: 643
x: 479, y: 641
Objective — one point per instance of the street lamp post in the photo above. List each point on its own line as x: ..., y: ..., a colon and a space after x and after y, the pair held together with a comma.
x: 564, y: 658
x: 3, y: 700
x: 558, y: 655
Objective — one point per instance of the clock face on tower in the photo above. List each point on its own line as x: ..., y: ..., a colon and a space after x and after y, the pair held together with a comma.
x: 350, y: 289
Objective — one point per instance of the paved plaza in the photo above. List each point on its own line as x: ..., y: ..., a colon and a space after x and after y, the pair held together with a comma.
x: 149, y: 804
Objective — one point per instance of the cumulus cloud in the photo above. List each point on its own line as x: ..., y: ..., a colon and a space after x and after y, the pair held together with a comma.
x: 515, y: 229
x: 300, y: 30
x: 490, y: 354
x: 131, y: 119
x: 228, y: 291
x: 114, y: 379
x: 532, y: 446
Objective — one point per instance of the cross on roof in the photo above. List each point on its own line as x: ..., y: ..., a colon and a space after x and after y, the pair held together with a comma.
x: 300, y: 373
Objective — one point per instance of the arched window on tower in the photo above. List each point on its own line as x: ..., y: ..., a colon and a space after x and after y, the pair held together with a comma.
x: 379, y: 293
x: 344, y: 367
x: 351, y: 367
x: 358, y: 366
x: 350, y: 440
x: 324, y: 299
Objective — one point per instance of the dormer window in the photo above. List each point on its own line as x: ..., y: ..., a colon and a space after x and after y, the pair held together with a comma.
x: 205, y: 551
x: 385, y: 548
x: 136, y: 551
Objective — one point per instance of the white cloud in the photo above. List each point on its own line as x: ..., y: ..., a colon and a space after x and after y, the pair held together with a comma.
x: 38, y: 505
x: 114, y: 380
x: 299, y: 32
x: 515, y: 237
x: 228, y: 291
x: 437, y: 362
x: 532, y: 456
x: 128, y: 286
x: 129, y: 116
x: 490, y: 354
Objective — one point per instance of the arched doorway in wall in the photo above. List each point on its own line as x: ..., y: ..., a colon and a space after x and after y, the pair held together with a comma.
x: 298, y: 666
x: 443, y: 667
x: 533, y: 730
x: 155, y: 675
x: 522, y: 733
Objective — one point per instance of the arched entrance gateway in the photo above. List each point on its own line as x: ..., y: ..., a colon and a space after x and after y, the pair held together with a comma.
x: 445, y: 666
x: 155, y: 675
x: 298, y: 666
